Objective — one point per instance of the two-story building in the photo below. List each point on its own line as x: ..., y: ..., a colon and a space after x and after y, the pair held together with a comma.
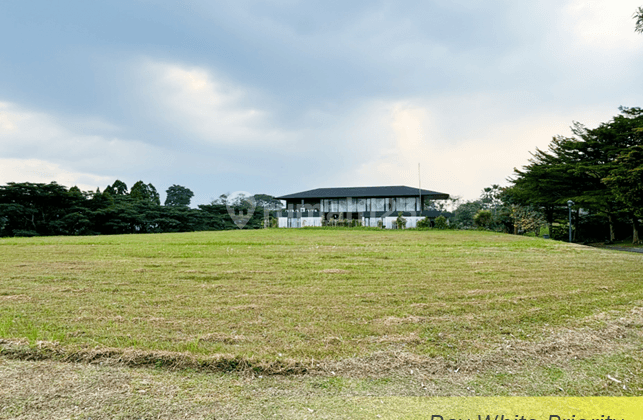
x: 369, y: 205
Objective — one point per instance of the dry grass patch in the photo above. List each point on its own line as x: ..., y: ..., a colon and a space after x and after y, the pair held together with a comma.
x: 393, y: 320
x: 223, y: 338
x: 22, y: 298
x: 45, y: 350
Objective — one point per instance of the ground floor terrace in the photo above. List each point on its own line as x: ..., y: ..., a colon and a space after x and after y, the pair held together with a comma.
x: 385, y: 220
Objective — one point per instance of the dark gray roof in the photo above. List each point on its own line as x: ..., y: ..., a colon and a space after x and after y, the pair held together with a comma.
x: 363, y: 192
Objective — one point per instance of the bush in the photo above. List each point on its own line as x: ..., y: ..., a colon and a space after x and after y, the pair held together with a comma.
x: 423, y: 223
x: 464, y: 214
x: 400, y: 221
x: 25, y: 233
x: 483, y: 218
x: 341, y: 223
x: 527, y: 219
x: 559, y: 232
x: 441, y: 222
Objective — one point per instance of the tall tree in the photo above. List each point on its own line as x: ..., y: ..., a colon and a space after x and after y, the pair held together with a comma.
x: 268, y: 202
x: 178, y: 196
x: 597, y: 151
x: 626, y: 182
x: 145, y: 192
x: 221, y: 201
x: 117, y: 188
x: 491, y: 197
x: 548, y: 181
x: 573, y: 168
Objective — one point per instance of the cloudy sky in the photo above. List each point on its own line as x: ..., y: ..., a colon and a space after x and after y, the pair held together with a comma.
x: 280, y: 96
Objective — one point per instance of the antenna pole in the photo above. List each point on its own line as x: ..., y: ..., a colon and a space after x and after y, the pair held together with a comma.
x: 420, y: 188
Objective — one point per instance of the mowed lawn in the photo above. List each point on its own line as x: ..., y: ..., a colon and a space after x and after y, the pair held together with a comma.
x: 299, y: 295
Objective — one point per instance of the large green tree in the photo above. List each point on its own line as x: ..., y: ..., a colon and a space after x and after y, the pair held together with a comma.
x: 145, y: 192
x: 117, y: 188
x: 572, y: 168
x: 626, y: 183
x: 268, y: 202
x: 548, y: 181
x: 178, y: 196
x: 597, y: 151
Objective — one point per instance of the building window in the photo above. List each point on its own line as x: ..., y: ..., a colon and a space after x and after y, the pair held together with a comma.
x: 378, y: 204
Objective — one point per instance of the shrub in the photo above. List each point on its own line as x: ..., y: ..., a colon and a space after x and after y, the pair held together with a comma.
x: 25, y: 233
x: 526, y: 219
x: 341, y: 223
x: 423, y: 223
x: 483, y: 218
x: 400, y: 221
x: 463, y: 217
x: 441, y: 222
x: 559, y: 232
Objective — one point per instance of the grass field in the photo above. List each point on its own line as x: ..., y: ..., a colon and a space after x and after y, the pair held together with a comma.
x: 327, y: 312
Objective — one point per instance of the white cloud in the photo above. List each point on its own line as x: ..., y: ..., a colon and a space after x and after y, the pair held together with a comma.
x: 467, y: 159
x: 194, y: 100
x: 47, y: 150
x: 604, y: 24
x: 42, y: 171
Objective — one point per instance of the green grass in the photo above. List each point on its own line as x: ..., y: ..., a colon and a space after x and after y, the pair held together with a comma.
x: 325, y: 296
x: 309, y: 293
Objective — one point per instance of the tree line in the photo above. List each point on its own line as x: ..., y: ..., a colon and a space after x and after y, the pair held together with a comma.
x: 36, y: 209
x: 599, y: 170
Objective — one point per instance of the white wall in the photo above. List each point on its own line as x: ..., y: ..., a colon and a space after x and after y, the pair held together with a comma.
x: 299, y: 221
x: 370, y: 222
x: 411, y: 221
